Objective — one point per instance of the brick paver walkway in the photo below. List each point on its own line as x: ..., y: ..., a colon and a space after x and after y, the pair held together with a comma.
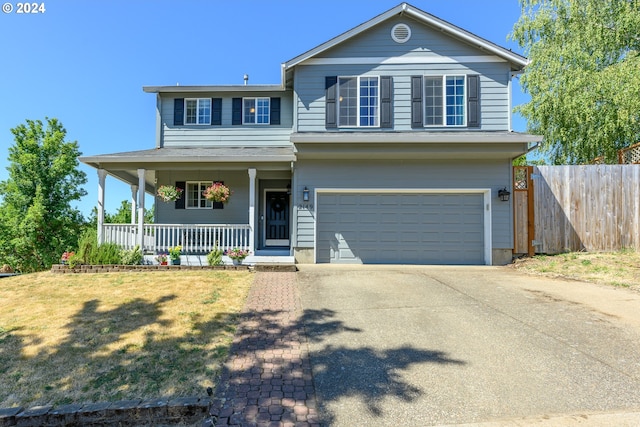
x: 267, y: 379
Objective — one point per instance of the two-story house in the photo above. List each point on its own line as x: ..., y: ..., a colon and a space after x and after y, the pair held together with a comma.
x: 386, y: 144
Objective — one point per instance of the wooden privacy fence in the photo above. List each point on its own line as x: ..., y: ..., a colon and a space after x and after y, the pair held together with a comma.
x: 592, y: 207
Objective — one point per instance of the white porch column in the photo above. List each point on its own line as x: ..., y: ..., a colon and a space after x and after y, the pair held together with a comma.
x: 134, y: 204
x: 141, y: 187
x: 252, y: 209
x: 102, y: 175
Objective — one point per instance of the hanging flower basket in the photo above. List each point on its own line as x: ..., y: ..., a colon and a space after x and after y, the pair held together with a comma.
x: 169, y: 193
x: 217, y: 193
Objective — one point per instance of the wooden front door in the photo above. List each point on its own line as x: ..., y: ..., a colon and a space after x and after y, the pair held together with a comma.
x: 277, y: 209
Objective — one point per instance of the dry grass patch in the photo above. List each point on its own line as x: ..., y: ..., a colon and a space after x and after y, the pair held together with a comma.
x: 610, y: 268
x: 112, y: 336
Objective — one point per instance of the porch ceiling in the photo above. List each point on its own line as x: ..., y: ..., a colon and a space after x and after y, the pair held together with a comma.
x: 124, y: 166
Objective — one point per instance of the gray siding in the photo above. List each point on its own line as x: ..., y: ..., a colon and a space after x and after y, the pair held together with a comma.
x: 234, y: 212
x: 494, y: 94
x: 377, y: 42
x: 427, y: 47
x: 404, y: 174
x: 226, y: 134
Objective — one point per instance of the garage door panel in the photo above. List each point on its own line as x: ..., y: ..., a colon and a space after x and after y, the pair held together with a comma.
x: 416, y: 228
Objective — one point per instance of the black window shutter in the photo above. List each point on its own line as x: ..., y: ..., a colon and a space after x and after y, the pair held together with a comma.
x: 473, y: 101
x: 331, y: 90
x: 216, y: 111
x: 180, y: 203
x: 386, y: 107
x: 274, y: 113
x: 218, y: 205
x: 236, y: 111
x: 178, y: 111
x: 416, y: 102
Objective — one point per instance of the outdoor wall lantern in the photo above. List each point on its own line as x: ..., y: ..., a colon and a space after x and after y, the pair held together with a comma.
x: 305, y: 194
x: 504, y: 194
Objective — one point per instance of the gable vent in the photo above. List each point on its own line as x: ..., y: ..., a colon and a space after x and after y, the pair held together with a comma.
x: 400, y: 33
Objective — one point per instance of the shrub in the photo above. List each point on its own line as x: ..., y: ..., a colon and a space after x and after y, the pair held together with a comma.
x: 107, y: 253
x: 87, y: 244
x: 215, y: 256
x: 131, y: 257
x: 90, y: 253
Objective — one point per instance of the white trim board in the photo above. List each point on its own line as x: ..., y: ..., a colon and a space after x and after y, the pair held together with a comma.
x: 407, y: 59
x: 486, y: 192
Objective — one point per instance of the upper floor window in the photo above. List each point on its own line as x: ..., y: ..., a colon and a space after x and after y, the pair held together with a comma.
x: 197, y: 111
x: 358, y: 101
x: 444, y: 101
x: 255, y: 111
x: 194, y: 197
x: 361, y: 102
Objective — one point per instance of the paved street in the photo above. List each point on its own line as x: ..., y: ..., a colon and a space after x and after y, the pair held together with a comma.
x: 404, y: 345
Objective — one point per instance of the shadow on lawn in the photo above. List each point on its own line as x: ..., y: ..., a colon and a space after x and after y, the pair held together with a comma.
x: 370, y: 375
x: 90, y: 365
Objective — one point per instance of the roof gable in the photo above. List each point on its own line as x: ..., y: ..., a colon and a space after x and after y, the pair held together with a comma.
x: 404, y: 10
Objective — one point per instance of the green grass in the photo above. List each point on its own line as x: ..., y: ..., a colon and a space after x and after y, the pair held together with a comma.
x: 620, y: 269
x: 103, y: 337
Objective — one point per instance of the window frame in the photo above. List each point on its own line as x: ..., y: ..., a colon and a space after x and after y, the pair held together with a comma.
x: 256, y: 100
x: 444, y: 105
x: 358, y: 107
x: 197, y: 115
x: 187, y: 195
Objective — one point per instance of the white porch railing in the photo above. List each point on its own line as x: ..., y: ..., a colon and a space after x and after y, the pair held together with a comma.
x: 194, y: 238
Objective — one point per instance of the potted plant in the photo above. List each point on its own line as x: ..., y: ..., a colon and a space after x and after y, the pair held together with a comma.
x: 162, y: 258
x: 174, y: 254
x: 169, y: 193
x: 218, y: 192
x: 237, y: 255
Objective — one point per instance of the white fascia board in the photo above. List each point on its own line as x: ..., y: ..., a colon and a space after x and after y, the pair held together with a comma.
x: 424, y: 17
x: 344, y: 36
x: 407, y: 59
x: 468, y: 37
x: 413, y: 137
x: 214, y: 88
x: 96, y: 161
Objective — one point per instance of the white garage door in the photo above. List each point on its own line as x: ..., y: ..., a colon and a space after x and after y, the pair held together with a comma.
x: 401, y: 228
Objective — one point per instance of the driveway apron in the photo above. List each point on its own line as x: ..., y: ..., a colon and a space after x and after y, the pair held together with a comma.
x: 403, y: 345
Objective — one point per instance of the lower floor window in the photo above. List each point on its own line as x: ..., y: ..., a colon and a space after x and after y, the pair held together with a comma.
x: 194, y: 197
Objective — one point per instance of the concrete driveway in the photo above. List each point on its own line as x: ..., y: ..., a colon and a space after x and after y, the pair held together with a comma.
x: 424, y: 345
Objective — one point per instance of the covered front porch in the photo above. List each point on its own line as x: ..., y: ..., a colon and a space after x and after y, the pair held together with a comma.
x: 260, y: 203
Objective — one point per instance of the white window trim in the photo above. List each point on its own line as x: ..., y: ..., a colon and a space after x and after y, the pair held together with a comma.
x: 197, y: 110
x: 208, y: 204
x: 256, y: 98
x: 357, y: 125
x: 444, y: 101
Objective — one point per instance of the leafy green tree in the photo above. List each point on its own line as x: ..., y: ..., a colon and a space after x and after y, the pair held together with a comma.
x: 583, y: 76
x: 122, y: 215
x: 36, y: 219
x: 524, y: 161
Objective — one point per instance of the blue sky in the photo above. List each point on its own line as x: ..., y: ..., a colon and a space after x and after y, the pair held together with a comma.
x: 85, y: 61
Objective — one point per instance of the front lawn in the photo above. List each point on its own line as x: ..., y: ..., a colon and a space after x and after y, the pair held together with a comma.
x: 113, y: 336
x: 610, y: 268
